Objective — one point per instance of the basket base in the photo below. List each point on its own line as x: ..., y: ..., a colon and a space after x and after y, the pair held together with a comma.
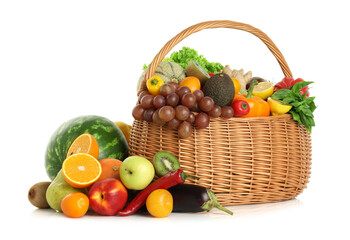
x: 242, y: 160
x: 232, y: 199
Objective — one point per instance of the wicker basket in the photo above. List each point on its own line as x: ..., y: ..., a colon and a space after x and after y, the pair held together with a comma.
x: 243, y: 160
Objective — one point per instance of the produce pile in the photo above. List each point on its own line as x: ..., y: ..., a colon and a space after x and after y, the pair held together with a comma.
x: 187, y: 90
x: 87, y: 158
x: 88, y: 163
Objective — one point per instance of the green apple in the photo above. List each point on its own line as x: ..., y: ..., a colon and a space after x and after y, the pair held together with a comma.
x: 136, y: 172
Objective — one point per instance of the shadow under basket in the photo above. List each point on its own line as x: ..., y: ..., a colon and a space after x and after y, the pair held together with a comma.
x: 243, y: 160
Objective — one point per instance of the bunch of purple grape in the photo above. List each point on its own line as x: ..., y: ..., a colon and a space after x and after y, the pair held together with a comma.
x: 177, y: 107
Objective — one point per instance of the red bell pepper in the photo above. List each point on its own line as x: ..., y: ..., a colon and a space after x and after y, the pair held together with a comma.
x: 240, y: 108
x: 288, y: 83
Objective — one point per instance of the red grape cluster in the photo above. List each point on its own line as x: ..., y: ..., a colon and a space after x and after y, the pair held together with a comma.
x: 177, y: 107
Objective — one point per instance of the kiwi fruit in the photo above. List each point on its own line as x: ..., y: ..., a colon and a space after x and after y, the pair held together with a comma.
x: 37, y: 195
x: 220, y: 88
x: 196, y: 70
x: 165, y: 162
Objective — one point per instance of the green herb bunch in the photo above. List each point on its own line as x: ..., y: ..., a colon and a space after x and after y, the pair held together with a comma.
x: 183, y: 56
x: 302, y: 107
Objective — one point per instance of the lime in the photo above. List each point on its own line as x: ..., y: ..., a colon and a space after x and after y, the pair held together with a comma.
x: 263, y: 90
x: 277, y: 107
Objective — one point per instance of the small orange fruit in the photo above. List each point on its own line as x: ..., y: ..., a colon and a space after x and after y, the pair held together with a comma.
x: 192, y: 82
x: 75, y: 205
x: 85, y: 143
x: 160, y: 203
x: 237, y: 85
x: 110, y: 168
x: 81, y: 170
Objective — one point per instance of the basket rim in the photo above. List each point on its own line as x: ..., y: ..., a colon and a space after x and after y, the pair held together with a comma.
x: 250, y: 119
x: 285, y: 116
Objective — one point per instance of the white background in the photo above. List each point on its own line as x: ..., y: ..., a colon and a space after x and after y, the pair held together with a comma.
x: 62, y: 59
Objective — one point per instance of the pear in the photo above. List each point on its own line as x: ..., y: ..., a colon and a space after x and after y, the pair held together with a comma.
x: 58, y: 189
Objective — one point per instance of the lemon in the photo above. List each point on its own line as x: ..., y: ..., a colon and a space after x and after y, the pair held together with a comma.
x: 277, y: 107
x: 263, y: 90
x: 125, y: 128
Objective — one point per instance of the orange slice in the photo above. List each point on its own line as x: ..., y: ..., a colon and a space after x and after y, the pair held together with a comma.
x: 85, y: 143
x: 81, y: 170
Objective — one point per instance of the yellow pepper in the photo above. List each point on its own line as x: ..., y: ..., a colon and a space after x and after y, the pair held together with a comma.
x: 153, y: 85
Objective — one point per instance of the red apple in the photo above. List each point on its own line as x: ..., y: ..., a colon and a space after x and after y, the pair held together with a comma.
x: 107, y: 196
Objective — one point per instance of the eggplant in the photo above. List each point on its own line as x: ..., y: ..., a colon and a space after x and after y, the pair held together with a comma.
x: 188, y: 198
x: 194, y: 198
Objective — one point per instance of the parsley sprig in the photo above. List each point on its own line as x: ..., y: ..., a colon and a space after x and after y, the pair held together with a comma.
x: 302, y: 107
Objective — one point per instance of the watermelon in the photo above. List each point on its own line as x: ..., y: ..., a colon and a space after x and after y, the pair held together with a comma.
x: 111, y: 141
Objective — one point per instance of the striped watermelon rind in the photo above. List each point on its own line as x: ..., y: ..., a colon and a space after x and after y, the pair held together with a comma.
x: 111, y: 141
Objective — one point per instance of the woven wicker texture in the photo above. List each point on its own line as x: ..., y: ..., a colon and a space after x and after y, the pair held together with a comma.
x: 243, y: 160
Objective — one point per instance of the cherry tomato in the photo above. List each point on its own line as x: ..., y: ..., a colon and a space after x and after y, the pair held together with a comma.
x: 159, y: 203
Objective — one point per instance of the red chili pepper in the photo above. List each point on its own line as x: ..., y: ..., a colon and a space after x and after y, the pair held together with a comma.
x: 211, y: 74
x: 288, y: 82
x: 240, y: 108
x: 167, y: 181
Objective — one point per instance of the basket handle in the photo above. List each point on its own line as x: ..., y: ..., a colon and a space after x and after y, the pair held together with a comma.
x: 215, y: 24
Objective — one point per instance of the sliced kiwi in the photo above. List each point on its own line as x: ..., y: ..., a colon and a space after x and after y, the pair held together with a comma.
x: 37, y: 194
x: 165, y: 162
x: 196, y: 70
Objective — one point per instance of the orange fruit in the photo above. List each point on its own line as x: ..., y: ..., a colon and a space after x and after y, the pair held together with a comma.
x: 237, y: 85
x: 85, y: 143
x: 110, y: 168
x: 81, y: 170
x: 159, y: 203
x: 192, y: 82
x: 75, y: 205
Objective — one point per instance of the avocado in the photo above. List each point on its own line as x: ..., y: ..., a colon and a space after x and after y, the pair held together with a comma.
x: 220, y: 88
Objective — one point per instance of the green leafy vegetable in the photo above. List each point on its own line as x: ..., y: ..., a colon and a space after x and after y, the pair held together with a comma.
x: 303, y: 108
x: 183, y: 56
